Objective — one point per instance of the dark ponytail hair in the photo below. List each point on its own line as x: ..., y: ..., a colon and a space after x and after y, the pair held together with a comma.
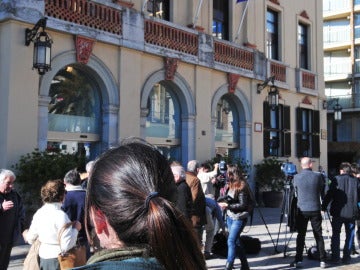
x: 119, y: 186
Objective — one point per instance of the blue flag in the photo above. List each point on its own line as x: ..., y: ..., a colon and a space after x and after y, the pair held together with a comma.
x: 238, y: 1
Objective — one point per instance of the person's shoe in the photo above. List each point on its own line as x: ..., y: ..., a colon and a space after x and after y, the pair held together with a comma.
x: 296, y: 264
x: 323, y: 265
x: 346, y: 260
x: 229, y: 266
x: 354, y: 252
x: 208, y: 255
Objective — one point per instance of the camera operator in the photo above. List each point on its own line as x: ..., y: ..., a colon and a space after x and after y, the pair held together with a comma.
x: 208, y: 179
x: 221, y: 180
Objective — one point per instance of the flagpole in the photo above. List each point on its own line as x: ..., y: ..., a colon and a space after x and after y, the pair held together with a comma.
x: 197, y: 13
x: 242, y: 20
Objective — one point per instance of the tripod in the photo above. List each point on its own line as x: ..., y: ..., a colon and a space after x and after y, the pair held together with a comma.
x: 285, y: 209
x: 267, y: 228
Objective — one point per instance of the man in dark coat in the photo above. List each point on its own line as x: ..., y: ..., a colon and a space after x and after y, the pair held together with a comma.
x: 11, y: 216
x: 308, y: 186
x: 183, y: 202
x: 343, y: 196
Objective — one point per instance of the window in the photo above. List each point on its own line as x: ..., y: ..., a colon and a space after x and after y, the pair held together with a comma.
x: 272, y: 30
x: 221, y: 19
x: 277, y: 140
x: 303, y: 46
x: 308, y: 129
x: 159, y: 9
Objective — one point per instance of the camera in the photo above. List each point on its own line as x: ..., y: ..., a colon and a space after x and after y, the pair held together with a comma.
x: 222, y: 167
x: 221, y: 179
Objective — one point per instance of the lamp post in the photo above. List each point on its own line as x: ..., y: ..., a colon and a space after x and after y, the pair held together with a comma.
x: 273, y: 93
x: 42, y: 46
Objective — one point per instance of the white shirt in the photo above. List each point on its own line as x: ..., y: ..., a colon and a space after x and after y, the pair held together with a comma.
x: 46, y: 224
x: 206, y: 184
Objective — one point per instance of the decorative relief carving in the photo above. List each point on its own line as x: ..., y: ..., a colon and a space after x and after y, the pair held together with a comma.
x: 233, y: 80
x: 84, y: 47
x: 171, y: 65
x: 306, y: 100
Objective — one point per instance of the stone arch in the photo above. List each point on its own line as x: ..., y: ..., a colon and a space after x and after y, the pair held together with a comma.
x: 108, y: 91
x: 187, y: 103
x: 244, y: 115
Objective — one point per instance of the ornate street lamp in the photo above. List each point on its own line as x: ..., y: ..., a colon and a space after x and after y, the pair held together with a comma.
x: 273, y: 94
x: 42, y: 46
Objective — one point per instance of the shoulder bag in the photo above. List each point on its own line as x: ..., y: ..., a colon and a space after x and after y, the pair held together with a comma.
x: 74, y: 257
x: 32, y: 260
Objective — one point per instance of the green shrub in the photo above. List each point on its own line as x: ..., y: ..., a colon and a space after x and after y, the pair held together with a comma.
x: 269, y: 176
x: 35, y: 168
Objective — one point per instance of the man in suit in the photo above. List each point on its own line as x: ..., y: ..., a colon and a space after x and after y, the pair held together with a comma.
x: 308, y: 187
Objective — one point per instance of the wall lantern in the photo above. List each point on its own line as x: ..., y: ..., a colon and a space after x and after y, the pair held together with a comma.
x: 273, y: 94
x: 337, y: 112
x: 337, y: 108
x: 42, y: 46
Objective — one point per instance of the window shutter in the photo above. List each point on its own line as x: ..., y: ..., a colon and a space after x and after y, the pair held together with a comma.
x: 316, y: 122
x: 299, y: 127
x: 316, y: 146
x: 266, y: 143
x: 287, y: 144
x: 286, y: 118
x: 299, y: 150
x: 266, y: 115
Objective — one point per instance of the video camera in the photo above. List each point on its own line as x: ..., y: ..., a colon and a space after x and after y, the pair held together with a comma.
x: 289, y: 170
x: 221, y: 179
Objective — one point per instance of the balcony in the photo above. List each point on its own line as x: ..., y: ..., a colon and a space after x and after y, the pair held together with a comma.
x: 346, y: 101
x: 119, y: 25
x: 306, y: 82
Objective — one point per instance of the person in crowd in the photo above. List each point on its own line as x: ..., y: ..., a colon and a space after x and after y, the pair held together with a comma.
x: 184, y: 200
x: 308, y: 186
x: 213, y: 213
x: 343, y: 198
x: 236, y: 202
x: 74, y: 205
x: 130, y: 202
x: 356, y: 174
x: 198, y: 214
x: 12, y: 217
x: 48, y: 225
x: 208, y: 179
x: 85, y: 176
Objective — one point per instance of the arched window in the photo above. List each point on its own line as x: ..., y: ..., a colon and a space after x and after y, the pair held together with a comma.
x: 163, y: 127
x: 74, y: 115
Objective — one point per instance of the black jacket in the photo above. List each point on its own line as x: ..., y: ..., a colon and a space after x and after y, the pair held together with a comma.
x: 343, y: 195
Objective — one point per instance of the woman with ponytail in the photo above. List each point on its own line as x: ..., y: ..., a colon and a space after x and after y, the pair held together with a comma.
x: 130, y: 203
x: 237, y: 202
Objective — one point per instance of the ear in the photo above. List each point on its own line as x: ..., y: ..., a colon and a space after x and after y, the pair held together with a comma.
x: 99, y: 221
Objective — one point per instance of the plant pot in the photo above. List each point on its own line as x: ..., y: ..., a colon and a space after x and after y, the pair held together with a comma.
x: 272, y: 199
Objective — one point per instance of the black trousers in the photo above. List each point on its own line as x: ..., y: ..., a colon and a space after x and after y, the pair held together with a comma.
x: 5, y: 252
x: 302, y: 220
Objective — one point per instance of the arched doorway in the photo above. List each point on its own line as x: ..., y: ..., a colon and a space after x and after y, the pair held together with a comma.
x: 74, y: 114
x: 172, y: 103
x: 163, y: 120
x: 93, y: 126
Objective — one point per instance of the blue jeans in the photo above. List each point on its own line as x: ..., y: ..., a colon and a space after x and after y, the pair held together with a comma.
x: 235, y: 227
x: 337, y: 223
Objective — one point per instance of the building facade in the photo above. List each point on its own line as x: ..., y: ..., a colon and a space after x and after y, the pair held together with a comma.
x: 192, y: 77
x: 342, y: 79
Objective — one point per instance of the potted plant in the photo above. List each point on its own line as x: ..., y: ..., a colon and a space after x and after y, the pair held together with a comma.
x: 269, y: 179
